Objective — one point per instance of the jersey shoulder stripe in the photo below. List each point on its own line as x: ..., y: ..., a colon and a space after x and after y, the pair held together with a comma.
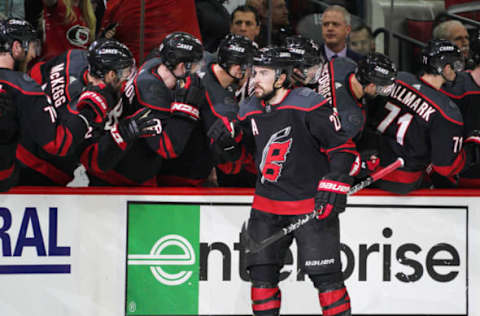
x: 444, y: 106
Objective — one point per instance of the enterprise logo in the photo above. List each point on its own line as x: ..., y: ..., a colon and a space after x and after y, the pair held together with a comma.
x: 158, y: 258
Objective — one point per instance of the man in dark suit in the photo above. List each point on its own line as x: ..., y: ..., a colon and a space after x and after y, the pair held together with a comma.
x: 335, y: 29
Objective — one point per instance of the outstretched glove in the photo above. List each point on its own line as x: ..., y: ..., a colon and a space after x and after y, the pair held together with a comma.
x: 225, y: 137
x: 331, y: 197
x: 96, y: 101
x: 8, y: 119
x: 188, y: 99
x: 140, y: 124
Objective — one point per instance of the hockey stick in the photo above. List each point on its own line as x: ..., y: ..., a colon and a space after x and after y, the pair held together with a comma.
x: 253, y: 246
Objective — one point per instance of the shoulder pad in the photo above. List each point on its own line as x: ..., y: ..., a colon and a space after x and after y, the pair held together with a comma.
x: 304, y: 97
x: 304, y: 91
x: 248, y: 106
x: 152, y: 91
x: 407, y: 77
x: 342, y: 68
x: 24, y: 81
x: 451, y: 109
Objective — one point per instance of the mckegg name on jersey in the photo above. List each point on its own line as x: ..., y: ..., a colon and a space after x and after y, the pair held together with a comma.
x: 411, y: 99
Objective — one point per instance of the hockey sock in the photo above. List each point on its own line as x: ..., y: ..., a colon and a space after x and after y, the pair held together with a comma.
x: 334, y: 300
x: 266, y: 299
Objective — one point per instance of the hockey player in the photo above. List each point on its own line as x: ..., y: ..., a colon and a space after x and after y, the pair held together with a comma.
x: 465, y: 92
x: 165, y: 86
x: 56, y: 133
x: 9, y: 132
x: 308, y: 60
x: 63, y: 78
x: 347, y: 86
x: 111, y: 64
x: 221, y: 78
x: 420, y: 124
x: 296, y: 138
x: 105, y: 66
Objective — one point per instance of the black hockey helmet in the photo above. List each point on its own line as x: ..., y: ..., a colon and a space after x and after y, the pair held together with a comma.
x: 277, y: 58
x: 107, y: 54
x: 304, y: 50
x: 236, y: 50
x: 14, y: 29
x: 274, y: 57
x: 378, y: 69
x: 438, y: 53
x: 180, y: 47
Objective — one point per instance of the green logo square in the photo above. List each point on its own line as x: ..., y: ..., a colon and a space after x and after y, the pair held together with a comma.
x: 162, y: 259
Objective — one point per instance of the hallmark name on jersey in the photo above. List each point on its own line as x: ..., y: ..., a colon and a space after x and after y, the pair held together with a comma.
x: 415, y: 102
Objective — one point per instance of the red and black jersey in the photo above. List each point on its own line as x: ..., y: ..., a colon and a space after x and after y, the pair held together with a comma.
x: 465, y: 92
x: 55, y: 132
x: 9, y: 131
x: 334, y: 84
x: 168, y: 158
x: 222, y: 103
x: 9, y: 171
x: 62, y: 78
x: 295, y: 143
x: 421, y: 125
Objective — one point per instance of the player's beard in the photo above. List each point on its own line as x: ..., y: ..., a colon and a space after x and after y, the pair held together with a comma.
x: 265, y: 96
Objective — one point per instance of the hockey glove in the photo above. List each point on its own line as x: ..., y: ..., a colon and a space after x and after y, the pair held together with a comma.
x: 140, y: 124
x: 225, y: 137
x: 96, y: 101
x: 331, y: 197
x: 8, y: 119
x: 188, y: 99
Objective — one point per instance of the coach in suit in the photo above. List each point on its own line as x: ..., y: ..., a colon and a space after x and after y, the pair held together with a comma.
x: 335, y: 29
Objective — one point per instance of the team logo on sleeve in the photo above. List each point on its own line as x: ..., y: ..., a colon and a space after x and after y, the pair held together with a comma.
x: 275, y: 154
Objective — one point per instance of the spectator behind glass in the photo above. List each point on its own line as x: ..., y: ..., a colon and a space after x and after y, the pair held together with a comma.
x: 455, y: 32
x: 67, y: 24
x: 123, y: 19
x: 336, y: 25
x: 361, y: 40
x: 245, y: 21
x: 258, y: 5
x: 280, y: 23
x: 214, y: 21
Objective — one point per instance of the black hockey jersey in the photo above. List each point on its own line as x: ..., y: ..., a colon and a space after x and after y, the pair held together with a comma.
x: 222, y: 103
x: 112, y: 162
x: 57, y: 133
x: 63, y: 79
x: 466, y: 94
x: 421, y: 125
x: 9, y: 131
x: 295, y: 143
x: 334, y: 85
